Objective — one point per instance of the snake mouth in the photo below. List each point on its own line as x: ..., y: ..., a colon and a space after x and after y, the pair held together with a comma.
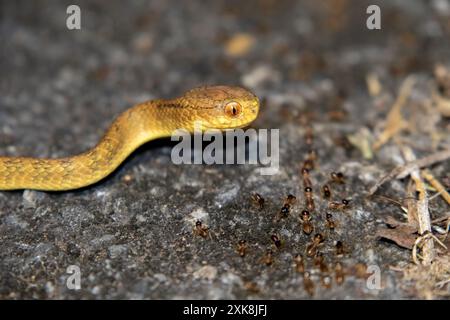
x: 239, y: 126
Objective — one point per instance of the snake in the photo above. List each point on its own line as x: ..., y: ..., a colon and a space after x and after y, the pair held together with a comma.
x: 217, y: 107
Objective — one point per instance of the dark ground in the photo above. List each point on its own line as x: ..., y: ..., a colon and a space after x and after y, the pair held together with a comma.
x: 60, y: 90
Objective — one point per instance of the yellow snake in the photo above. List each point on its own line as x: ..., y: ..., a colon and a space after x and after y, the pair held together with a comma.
x: 214, y: 107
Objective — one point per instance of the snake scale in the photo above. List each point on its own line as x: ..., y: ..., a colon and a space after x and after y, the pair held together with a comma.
x: 214, y: 107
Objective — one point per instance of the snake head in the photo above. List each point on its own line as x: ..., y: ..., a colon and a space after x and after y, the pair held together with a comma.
x: 222, y: 107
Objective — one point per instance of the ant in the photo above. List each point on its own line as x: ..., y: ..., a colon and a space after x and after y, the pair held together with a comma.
x: 320, y: 262
x: 318, y: 258
x: 284, y: 212
x: 330, y: 222
x: 290, y: 199
x: 339, y: 274
x: 200, y: 229
x: 308, y: 284
x: 326, y: 192
x: 258, y: 200
x: 344, y: 204
x: 267, y: 259
x: 242, y: 248
x: 308, y: 164
x: 339, y: 248
x: 309, y: 136
x: 307, y: 226
x: 306, y: 177
x: 337, y: 177
x: 312, y: 155
x: 311, y: 248
x: 309, y: 199
x: 276, y: 241
x: 325, y: 278
x: 299, y: 263
x: 286, y: 208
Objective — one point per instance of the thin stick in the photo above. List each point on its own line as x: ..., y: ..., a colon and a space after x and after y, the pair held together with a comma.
x: 427, y: 175
x: 421, y: 213
x: 395, y: 122
x: 424, y: 162
x: 411, y: 203
x: 405, y: 170
x: 440, y: 284
x: 419, y: 240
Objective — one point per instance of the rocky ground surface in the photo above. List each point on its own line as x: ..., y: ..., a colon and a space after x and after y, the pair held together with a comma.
x: 132, y: 234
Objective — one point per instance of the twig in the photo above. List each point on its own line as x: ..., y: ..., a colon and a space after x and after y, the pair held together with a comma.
x: 405, y: 170
x: 424, y: 162
x: 411, y: 203
x: 401, y: 206
x: 420, y: 211
x: 419, y: 240
x: 426, y: 174
x: 395, y: 121
x: 440, y: 284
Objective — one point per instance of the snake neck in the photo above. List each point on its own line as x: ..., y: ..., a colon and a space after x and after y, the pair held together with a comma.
x: 131, y: 129
x: 154, y: 119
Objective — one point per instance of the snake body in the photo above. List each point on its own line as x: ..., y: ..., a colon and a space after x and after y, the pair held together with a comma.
x: 213, y: 107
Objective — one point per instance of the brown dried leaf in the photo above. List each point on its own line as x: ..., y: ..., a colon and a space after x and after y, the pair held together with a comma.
x: 394, y: 223
x: 402, y: 236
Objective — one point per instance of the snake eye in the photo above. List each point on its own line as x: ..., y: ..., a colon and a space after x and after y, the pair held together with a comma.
x: 233, y: 109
